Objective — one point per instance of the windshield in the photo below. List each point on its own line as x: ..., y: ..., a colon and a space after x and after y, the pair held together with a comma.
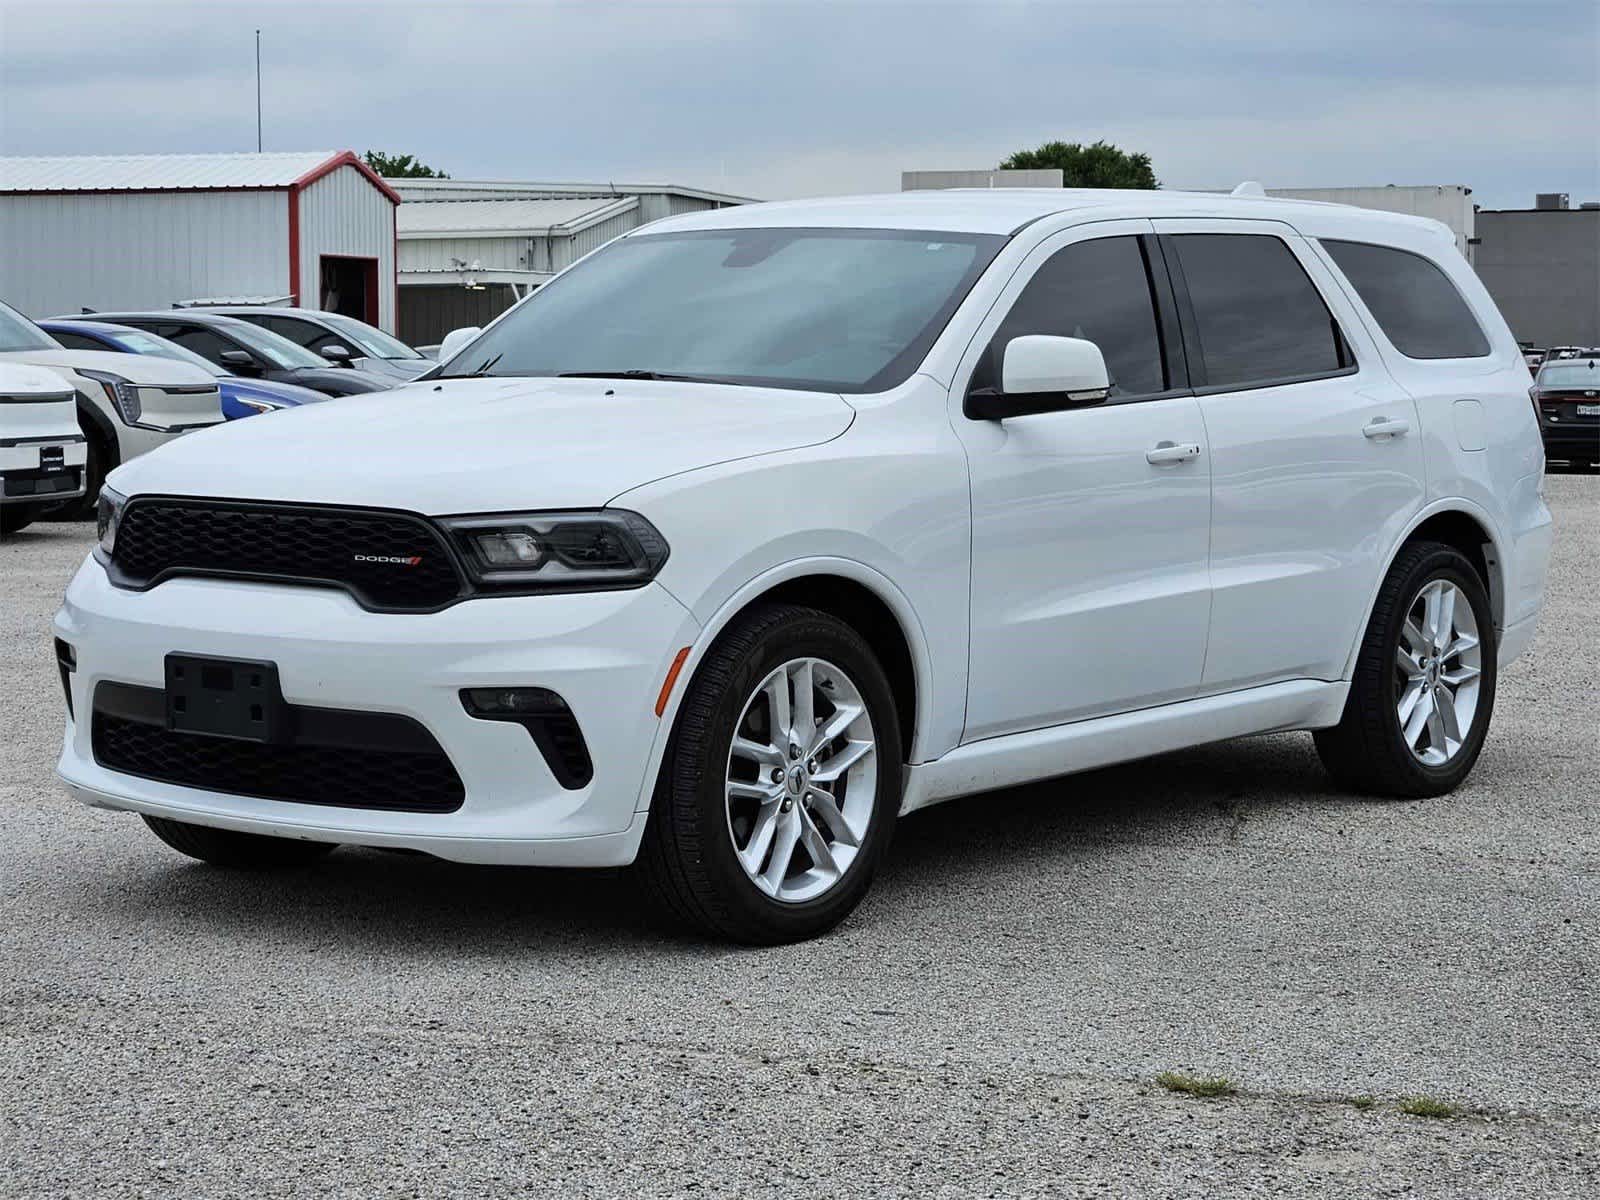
x: 841, y: 310
x: 276, y: 349
x: 1572, y: 374
x: 138, y: 342
x: 374, y: 342
x: 19, y: 333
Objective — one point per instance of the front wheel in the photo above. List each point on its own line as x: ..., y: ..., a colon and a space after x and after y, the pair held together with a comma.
x: 781, y: 782
x: 230, y: 848
x: 14, y: 517
x: 1423, y: 689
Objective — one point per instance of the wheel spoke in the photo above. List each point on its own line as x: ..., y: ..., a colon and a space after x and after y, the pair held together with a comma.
x: 1418, y: 720
x: 1445, y: 705
x: 825, y: 806
x: 1408, y: 699
x: 1437, y: 742
x: 755, y: 850
x: 780, y: 722
x: 1445, y: 629
x: 834, y: 768
x: 805, y: 704
x: 1463, y: 643
x: 784, y: 841
x: 843, y: 717
x: 1407, y: 661
x: 816, y: 845
x: 739, y: 789
x: 755, y: 752
x: 1462, y: 674
x: 1415, y: 639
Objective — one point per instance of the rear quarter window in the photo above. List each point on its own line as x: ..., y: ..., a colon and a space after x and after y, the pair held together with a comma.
x: 1415, y: 304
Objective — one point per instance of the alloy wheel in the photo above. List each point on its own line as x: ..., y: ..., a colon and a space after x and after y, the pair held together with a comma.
x: 1438, y: 666
x: 801, y: 780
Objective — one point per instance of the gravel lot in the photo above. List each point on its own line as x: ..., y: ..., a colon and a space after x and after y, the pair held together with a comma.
x: 989, y: 1023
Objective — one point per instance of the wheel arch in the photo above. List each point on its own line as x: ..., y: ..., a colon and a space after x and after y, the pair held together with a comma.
x: 1455, y: 522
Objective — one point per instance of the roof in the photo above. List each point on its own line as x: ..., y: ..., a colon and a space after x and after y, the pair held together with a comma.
x: 506, y: 218
x: 461, y: 189
x: 1005, y: 210
x: 177, y: 172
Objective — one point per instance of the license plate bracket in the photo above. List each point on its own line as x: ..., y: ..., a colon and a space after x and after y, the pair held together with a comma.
x: 1589, y: 410
x: 238, y: 698
x: 52, y: 458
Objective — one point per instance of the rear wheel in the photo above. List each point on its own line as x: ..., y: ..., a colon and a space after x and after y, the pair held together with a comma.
x: 781, y: 783
x: 230, y: 848
x: 1423, y: 689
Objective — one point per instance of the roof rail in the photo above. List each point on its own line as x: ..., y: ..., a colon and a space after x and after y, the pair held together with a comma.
x: 1249, y: 188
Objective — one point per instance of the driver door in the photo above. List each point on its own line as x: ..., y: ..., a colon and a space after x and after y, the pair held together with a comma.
x: 1090, y: 524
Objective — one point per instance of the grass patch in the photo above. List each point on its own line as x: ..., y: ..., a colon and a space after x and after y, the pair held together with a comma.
x: 1427, y: 1106
x: 1196, y: 1085
x: 1361, y: 1102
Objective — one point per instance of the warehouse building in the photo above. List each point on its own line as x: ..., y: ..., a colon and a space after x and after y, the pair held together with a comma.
x: 468, y: 250
x: 1542, y: 266
x: 153, y: 231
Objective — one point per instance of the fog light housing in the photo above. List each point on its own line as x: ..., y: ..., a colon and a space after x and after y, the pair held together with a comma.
x: 549, y: 722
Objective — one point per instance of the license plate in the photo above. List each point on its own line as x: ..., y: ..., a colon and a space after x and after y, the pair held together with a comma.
x: 52, y: 458
x: 235, y: 698
x: 1589, y: 410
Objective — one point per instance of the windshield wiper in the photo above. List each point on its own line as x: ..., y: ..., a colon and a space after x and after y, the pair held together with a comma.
x: 482, y: 369
x: 635, y: 374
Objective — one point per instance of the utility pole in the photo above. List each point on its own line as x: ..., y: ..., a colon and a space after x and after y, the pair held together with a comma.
x: 258, y: 91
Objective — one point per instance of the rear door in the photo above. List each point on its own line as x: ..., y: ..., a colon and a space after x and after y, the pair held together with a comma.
x: 1089, y: 524
x: 1316, y: 459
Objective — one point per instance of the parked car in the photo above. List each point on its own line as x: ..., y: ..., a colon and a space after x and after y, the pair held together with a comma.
x: 126, y: 405
x: 42, y: 450
x: 1534, y: 358
x: 1566, y: 395
x: 240, y: 397
x: 925, y: 494
x: 250, y: 351
x: 341, y: 340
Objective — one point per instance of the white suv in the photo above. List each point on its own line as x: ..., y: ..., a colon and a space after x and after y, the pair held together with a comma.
x: 41, y: 451
x: 760, y: 527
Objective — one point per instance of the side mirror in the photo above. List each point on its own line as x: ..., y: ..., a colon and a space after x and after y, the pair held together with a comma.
x: 238, y: 360
x: 336, y: 353
x: 456, y: 341
x: 1040, y: 372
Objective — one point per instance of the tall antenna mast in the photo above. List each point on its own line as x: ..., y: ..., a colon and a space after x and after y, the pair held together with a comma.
x: 258, y: 91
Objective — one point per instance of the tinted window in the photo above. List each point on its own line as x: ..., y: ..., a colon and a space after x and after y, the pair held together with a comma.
x: 199, y: 340
x: 1100, y: 291
x: 841, y: 310
x: 302, y: 333
x: 1413, y: 301
x: 77, y: 341
x: 1257, y: 314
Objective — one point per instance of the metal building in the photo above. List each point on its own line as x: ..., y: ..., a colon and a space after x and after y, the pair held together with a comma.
x: 1449, y: 203
x: 152, y: 231
x: 1542, y: 266
x: 468, y: 249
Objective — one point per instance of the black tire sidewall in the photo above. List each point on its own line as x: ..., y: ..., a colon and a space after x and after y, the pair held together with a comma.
x: 1450, y: 565
x: 702, y: 770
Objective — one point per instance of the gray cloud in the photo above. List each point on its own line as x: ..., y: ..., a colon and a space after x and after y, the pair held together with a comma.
x: 782, y: 99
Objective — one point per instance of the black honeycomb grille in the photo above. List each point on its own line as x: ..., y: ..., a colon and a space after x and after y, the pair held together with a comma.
x: 388, y: 561
x: 419, y: 780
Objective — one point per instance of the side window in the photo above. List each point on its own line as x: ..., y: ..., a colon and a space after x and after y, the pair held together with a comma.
x: 1413, y: 301
x: 1258, y: 316
x: 201, y: 340
x: 1098, y: 290
x: 302, y: 333
x: 77, y: 341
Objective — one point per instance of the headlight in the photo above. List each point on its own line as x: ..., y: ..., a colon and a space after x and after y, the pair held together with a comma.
x: 123, y: 395
x: 261, y: 406
x: 107, y: 516
x: 559, y: 551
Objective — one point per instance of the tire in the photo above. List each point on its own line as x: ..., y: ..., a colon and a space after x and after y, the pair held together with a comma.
x: 1369, y: 750
x: 690, y: 860
x: 14, y: 517
x: 229, y: 848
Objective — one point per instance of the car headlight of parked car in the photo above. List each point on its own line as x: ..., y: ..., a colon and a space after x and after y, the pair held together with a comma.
x: 107, y: 516
x: 573, y: 550
x: 261, y: 406
x: 123, y: 395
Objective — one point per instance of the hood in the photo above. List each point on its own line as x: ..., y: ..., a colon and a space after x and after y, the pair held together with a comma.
x: 268, y: 389
x: 395, y: 368
x: 142, y: 369
x: 337, y: 381
x: 487, y: 445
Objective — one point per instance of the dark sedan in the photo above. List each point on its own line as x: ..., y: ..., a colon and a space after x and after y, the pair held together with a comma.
x: 1566, y: 395
x: 342, y: 340
x: 245, y: 349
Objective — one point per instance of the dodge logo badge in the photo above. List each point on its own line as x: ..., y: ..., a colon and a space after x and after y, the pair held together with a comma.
x: 399, y: 560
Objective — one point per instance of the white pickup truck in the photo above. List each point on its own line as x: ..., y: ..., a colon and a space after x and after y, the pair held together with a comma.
x: 126, y: 403
x: 42, y: 450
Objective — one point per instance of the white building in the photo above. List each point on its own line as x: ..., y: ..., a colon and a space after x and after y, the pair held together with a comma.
x: 469, y: 249
x: 152, y: 231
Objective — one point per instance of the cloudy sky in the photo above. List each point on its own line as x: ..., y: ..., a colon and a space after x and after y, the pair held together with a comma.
x: 776, y: 99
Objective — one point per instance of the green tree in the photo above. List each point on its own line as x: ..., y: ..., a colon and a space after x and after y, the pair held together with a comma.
x: 400, y: 166
x: 1101, y: 165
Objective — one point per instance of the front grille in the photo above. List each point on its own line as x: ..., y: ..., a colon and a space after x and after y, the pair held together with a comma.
x: 388, y: 561
x: 419, y: 778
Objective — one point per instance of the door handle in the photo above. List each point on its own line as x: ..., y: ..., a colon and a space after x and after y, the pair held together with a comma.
x: 1171, y: 452
x: 1386, y: 427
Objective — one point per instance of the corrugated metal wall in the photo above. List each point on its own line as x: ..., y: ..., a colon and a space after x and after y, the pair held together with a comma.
x: 60, y: 253
x: 343, y: 214
x: 500, y: 254
x: 428, y: 312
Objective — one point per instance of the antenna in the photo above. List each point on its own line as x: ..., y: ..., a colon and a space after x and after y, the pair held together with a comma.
x: 258, y: 91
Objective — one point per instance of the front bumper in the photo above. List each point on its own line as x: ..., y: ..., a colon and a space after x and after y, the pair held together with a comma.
x: 24, y: 480
x: 605, y: 653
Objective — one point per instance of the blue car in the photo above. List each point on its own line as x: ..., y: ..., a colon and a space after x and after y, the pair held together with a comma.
x: 240, y: 397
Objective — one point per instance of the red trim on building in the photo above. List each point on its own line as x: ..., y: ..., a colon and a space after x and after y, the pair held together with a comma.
x: 294, y: 246
x: 394, y: 217
x: 347, y: 158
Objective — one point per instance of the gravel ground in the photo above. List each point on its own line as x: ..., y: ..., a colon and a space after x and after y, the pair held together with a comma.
x: 989, y: 1023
